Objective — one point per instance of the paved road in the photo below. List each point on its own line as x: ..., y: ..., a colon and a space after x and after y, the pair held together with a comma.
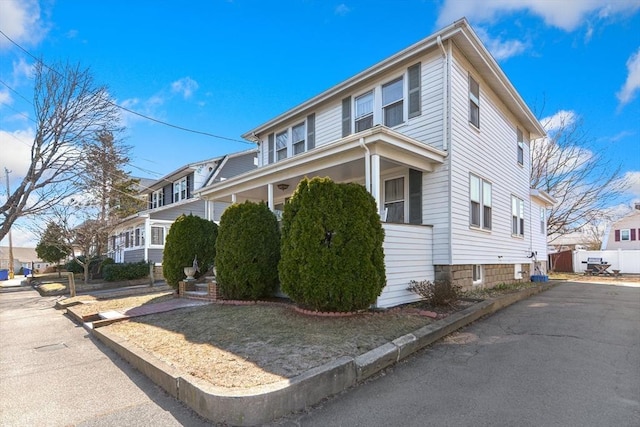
x: 53, y: 374
x: 567, y: 357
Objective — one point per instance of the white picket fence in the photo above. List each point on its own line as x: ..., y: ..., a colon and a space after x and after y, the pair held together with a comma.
x: 627, y: 261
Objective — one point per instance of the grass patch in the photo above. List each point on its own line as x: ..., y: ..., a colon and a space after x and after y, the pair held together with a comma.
x: 93, y: 306
x: 245, y: 346
x: 501, y: 289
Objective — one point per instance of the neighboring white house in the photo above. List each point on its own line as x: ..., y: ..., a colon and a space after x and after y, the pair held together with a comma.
x: 624, y: 233
x: 440, y: 137
x: 141, y: 237
x: 22, y: 258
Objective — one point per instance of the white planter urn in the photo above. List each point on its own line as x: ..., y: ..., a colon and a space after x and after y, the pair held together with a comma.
x: 189, y: 272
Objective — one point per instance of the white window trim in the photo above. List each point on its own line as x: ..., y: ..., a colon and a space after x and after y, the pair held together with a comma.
x: 405, y: 195
x: 543, y: 221
x: 378, y: 108
x: 520, y: 146
x: 164, y: 236
x: 481, y: 225
x: 474, y: 99
x: 179, y: 183
x: 622, y: 231
x: 156, y: 197
x: 520, y: 207
x: 477, y: 268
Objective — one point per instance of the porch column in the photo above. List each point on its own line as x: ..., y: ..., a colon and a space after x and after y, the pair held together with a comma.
x: 233, y: 199
x: 375, y: 180
x: 270, y: 197
x: 147, y: 238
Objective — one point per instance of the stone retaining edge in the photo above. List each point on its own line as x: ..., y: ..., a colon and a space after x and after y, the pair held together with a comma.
x: 258, y: 405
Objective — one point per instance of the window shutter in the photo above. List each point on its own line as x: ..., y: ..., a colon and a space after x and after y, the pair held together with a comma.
x: 346, y: 116
x: 311, y: 131
x: 189, y: 185
x: 415, y: 196
x: 633, y: 234
x: 150, y: 200
x: 271, y: 148
x: 168, y: 194
x: 414, y: 91
x: 617, y: 233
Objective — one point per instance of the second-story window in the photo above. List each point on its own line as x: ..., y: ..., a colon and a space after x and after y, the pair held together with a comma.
x: 364, y: 111
x: 281, y: 145
x: 297, y: 138
x: 520, y: 147
x: 157, y: 199
x: 180, y: 190
x: 474, y: 102
x: 392, y: 102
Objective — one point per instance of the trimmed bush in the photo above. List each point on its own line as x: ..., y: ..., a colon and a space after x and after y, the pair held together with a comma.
x: 188, y: 237
x: 248, y: 248
x: 129, y: 271
x: 332, y: 257
x: 438, y: 293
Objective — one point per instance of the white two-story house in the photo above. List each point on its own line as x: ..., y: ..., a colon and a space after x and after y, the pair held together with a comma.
x: 440, y: 137
x: 141, y: 237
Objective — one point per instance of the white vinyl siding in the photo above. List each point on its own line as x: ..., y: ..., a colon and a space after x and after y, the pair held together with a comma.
x: 408, y: 256
x: 490, y: 152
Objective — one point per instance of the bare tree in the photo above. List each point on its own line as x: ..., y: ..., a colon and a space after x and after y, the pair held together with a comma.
x: 111, y: 190
x: 578, y: 177
x: 68, y: 109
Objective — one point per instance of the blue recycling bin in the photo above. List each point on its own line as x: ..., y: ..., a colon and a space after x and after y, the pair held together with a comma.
x: 4, y: 274
x: 26, y: 271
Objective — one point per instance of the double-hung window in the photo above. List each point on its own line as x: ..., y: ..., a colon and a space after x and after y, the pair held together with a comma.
x: 474, y: 102
x: 394, y: 200
x: 281, y: 145
x: 392, y: 102
x: 520, y: 147
x: 364, y: 111
x: 480, y: 198
x: 157, y: 235
x: 543, y: 222
x: 625, y: 234
x: 297, y: 137
x: 157, y: 199
x: 517, y: 216
x: 180, y: 190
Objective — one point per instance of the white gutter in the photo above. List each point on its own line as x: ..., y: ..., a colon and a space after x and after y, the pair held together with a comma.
x: 367, y: 166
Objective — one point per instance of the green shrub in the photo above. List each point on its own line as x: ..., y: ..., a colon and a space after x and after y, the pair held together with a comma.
x: 73, y: 267
x: 332, y: 258
x: 438, y: 293
x: 129, y: 271
x: 248, y: 251
x: 188, y: 237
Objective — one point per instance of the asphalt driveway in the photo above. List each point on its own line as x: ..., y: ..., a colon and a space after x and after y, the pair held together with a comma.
x: 569, y: 356
x: 52, y: 373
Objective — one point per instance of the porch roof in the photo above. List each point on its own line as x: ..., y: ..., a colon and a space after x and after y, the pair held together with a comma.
x: 335, y: 159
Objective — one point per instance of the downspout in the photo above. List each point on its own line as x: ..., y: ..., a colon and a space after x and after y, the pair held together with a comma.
x: 367, y: 166
x: 445, y: 64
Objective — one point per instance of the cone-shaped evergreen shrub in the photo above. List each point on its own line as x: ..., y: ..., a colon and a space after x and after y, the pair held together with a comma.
x: 332, y: 257
x: 188, y: 237
x: 248, y: 248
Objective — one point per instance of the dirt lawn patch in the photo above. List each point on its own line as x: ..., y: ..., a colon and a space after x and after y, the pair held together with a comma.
x: 91, y: 305
x: 244, y: 346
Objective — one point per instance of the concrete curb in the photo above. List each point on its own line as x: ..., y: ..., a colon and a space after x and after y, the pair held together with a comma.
x: 258, y: 405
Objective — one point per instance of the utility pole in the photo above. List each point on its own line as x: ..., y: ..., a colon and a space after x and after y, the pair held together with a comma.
x: 11, y: 272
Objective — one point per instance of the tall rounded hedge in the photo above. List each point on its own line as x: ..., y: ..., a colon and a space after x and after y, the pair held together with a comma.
x: 188, y: 237
x: 332, y: 257
x: 248, y: 252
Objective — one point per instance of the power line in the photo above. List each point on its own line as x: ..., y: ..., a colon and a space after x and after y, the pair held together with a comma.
x: 128, y: 110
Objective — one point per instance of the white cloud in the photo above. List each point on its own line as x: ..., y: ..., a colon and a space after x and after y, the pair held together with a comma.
x: 559, y: 120
x: 632, y: 180
x: 186, y: 86
x: 5, y: 97
x: 16, y: 153
x: 501, y: 49
x: 567, y: 16
x: 632, y: 85
x: 21, y: 21
x: 342, y: 9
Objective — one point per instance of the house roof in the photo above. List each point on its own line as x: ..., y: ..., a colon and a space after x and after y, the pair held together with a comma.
x: 543, y: 196
x: 184, y: 170
x: 20, y: 254
x: 461, y: 33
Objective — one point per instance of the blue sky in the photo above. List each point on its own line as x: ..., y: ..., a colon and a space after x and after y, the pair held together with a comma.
x: 224, y: 67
